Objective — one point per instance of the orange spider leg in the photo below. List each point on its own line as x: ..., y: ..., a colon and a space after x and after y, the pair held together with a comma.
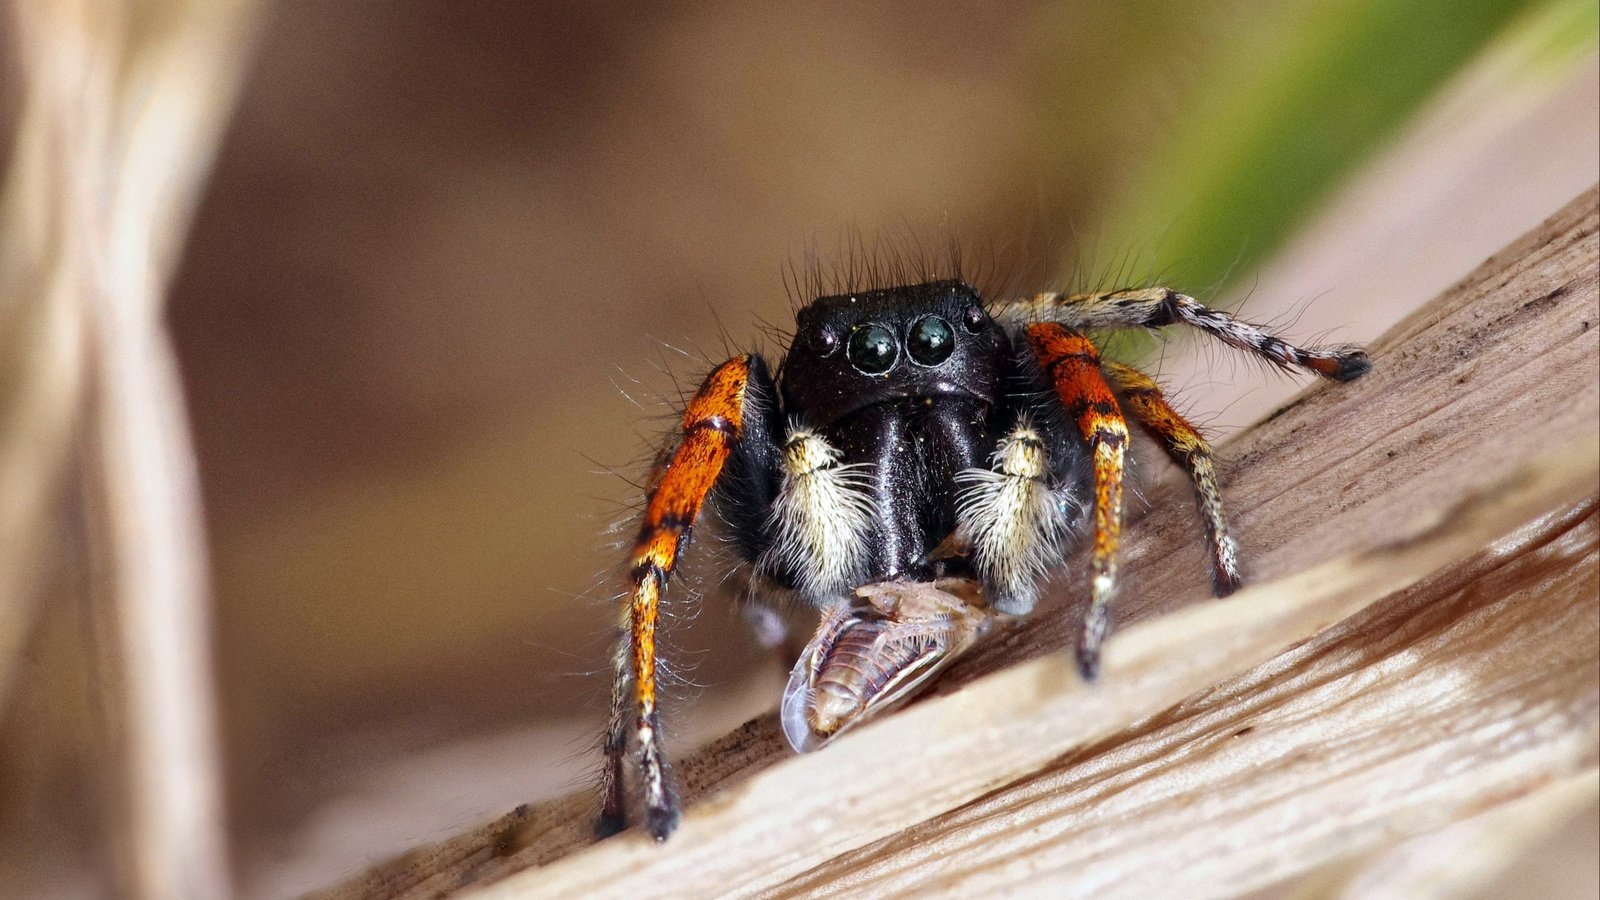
x: 712, y: 425
x: 1072, y: 364
x: 1189, y: 450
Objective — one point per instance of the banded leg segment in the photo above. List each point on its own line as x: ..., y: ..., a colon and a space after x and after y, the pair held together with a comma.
x: 1158, y: 307
x: 712, y: 426
x: 1072, y: 365
x: 1185, y: 445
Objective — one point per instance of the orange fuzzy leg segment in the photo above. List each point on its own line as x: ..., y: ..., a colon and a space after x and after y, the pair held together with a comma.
x: 1189, y: 450
x: 1072, y: 364
x: 712, y: 425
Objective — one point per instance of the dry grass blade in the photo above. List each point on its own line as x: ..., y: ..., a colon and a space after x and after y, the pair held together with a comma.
x: 124, y: 106
x: 1470, y: 680
x: 41, y: 351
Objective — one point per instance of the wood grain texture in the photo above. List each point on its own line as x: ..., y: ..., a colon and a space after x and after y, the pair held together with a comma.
x: 1249, y: 755
x: 1352, y: 739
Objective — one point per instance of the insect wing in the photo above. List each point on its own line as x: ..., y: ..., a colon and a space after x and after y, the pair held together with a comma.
x: 904, y: 657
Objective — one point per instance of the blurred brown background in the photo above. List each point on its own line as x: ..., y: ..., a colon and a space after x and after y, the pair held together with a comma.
x: 441, y: 252
x: 455, y: 261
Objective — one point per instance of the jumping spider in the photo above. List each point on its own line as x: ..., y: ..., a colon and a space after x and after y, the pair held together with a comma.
x: 915, y: 467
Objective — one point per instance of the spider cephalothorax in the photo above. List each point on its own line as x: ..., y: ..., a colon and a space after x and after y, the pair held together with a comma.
x: 914, y: 469
x: 886, y: 394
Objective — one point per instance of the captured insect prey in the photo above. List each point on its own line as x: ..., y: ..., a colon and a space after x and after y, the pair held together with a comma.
x: 920, y: 464
x: 874, y: 653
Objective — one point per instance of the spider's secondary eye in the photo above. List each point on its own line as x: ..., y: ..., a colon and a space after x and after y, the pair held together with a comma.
x: 931, y: 341
x: 824, y: 341
x: 974, y: 318
x: 873, y: 350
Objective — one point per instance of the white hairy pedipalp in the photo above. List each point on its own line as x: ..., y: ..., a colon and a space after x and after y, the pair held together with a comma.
x: 819, y: 519
x: 1014, y: 523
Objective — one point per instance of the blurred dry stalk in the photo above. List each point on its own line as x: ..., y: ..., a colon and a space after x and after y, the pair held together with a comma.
x: 1443, y: 512
x: 122, y: 105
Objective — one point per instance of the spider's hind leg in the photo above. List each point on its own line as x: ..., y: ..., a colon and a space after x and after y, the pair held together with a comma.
x: 764, y: 609
x: 1158, y: 307
x: 1186, y: 447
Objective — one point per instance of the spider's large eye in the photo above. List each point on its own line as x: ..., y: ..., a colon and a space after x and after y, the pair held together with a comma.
x: 873, y: 349
x: 931, y: 341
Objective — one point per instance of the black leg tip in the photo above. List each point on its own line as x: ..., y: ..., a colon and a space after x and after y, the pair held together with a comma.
x: 1096, y: 625
x: 607, y: 825
x: 662, y: 821
x: 1225, y: 585
x: 1089, y: 664
x: 1351, y: 365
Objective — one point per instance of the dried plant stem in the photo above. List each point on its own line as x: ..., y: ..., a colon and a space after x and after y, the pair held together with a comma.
x: 124, y: 104
x: 41, y: 352
x: 1441, y: 512
x: 141, y: 477
x: 41, y: 340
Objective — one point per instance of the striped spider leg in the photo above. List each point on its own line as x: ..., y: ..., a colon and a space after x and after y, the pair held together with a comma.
x: 1083, y: 383
x: 726, y: 442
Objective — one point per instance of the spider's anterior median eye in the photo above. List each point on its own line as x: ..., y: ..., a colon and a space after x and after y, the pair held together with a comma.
x: 873, y: 349
x: 931, y: 341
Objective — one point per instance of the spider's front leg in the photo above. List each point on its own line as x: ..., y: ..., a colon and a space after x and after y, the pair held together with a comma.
x: 1074, y: 369
x: 1071, y: 363
x: 725, y: 442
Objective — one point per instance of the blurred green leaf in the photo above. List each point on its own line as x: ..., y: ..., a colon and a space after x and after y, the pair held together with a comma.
x: 1299, y: 96
x: 1558, y: 35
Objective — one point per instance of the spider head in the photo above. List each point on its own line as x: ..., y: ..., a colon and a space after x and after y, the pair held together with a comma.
x: 916, y: 341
